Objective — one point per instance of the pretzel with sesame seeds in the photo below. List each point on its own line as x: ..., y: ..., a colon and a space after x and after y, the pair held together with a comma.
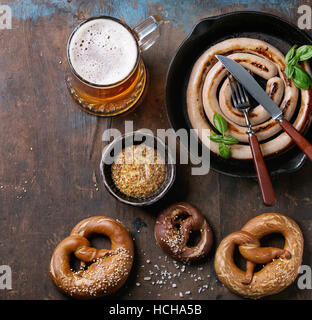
x: 281, y: 266
x: 173, y: 228
x: 108, y: 269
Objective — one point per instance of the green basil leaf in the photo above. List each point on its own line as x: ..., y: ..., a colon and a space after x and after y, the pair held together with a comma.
x: 301, y: 85
x: 289, y: 70
x: 293, y: 61
x: 216, y: 138
x: 224, y: 151
x: 290, y: 54
x: 304, y: 52
x: 220, y: 123
x: 301, y: 78
x: 228, y: 140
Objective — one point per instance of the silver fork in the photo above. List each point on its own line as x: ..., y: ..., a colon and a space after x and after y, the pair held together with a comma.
x: 241, y: 103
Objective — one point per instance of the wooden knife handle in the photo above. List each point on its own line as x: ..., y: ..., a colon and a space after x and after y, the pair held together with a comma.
x: 264, y: 179
x: 298, y: 138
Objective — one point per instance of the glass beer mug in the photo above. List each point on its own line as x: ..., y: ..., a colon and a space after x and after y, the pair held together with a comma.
x: 108, y: 76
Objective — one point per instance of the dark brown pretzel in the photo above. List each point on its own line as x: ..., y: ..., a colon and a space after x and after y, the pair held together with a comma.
x: 109, y: 269
x: 281, y: 267
x: 172, y: 232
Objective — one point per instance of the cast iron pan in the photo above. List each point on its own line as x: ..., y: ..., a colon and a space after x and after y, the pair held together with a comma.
x: 276, y: 31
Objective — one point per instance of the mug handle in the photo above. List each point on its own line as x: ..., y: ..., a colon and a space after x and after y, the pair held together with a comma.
x: 147, y: 32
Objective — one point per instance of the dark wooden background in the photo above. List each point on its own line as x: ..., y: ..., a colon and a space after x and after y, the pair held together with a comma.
x: 50, y: 153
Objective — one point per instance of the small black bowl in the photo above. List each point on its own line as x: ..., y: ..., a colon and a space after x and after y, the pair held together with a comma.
x: 137, y: 138
x: 207, y: 32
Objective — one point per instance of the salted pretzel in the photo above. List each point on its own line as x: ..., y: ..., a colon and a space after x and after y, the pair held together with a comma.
x: 102, y: 271
x: 173, y: 228
x: 280, y: 265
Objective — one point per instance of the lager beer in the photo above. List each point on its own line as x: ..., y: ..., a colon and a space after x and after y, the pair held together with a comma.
x: 108, y: 75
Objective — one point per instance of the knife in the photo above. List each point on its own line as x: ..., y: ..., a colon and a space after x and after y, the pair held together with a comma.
x: 252, y: 86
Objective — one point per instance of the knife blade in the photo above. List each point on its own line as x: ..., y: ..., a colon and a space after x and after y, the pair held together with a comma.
x: 255, y: 90
x: 251, y: 85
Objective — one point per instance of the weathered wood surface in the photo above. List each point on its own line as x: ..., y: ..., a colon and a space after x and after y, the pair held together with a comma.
x: 50, y: 153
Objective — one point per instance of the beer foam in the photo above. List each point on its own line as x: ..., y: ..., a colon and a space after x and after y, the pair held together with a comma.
x: 103, y: 51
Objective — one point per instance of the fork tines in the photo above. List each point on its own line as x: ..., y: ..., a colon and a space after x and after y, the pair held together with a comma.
x: 239, y: 95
